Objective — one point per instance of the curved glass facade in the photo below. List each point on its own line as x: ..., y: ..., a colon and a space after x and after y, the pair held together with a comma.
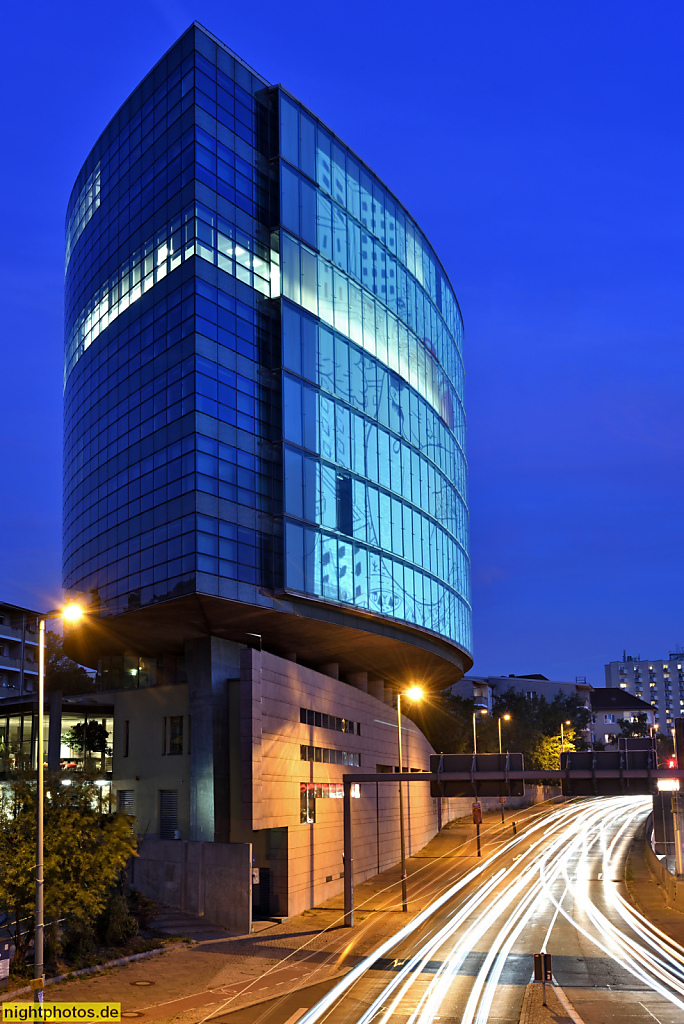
x: 373, y: 418
x: 263, y: 370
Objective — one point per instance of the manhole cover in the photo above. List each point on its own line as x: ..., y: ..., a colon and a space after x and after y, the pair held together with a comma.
x: 142, y: 984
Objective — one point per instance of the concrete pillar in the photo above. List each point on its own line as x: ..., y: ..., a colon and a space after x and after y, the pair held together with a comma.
x: 376, y: 688
x: 210, y: 662
x: 332, y: 669
x: 54, y: 729
x: 389, y: 695
x: 359, y: 680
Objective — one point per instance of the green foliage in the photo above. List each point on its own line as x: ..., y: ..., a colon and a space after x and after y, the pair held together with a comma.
x: 84, y: 851
x: 143, y: 908
x: 546, y: 751
x: 533, y: 728
x: 89, y: 737
x: 115, y: 924
x: 445, y: 720
x: 640, y: 727
x: 61, y: 673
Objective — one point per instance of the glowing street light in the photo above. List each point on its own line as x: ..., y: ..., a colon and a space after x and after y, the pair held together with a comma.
x: 483, y: 711
x: 414, y: 693
x: 506, y: 718
x: 71, y: 613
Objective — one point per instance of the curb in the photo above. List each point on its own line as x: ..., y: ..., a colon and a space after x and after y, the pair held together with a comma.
x: 84, y: 970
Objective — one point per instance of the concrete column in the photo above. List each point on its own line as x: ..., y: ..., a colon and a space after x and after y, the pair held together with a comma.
x: 376, y: 688
x: 54, y: 729
x: 210, y: 663
x: 332, y: 669
x: 359, y: 680
x: 389, y: 695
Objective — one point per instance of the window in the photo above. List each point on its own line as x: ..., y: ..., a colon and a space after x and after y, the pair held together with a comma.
x: 176, y: 734
x: 168, y: 814
x: 172, y: 735
x: 307, y: 803
x: 321, y: 721
x: 326, y: 755
x: 531, y: 694
x: 124, y: 801
x: 127, y: 736
x: 608, y: 738
x: 309, y: 792
x: 609, y: 719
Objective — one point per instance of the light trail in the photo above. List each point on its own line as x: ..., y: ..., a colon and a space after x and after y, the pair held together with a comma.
x: 557, y: 857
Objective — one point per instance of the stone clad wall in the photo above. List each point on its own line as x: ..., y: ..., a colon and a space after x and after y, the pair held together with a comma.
x: 273, y: 690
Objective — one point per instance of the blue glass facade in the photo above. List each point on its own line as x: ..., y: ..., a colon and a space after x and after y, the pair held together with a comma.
x: 263, y: 370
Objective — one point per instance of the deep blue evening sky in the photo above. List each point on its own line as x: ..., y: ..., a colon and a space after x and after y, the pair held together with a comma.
x: 539, y: 145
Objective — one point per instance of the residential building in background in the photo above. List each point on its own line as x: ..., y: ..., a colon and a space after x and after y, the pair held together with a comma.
x: 18, y: 650
x: 484, y: 689
x: 265, y: 475
x: 659, y: 682
x: 612, y: 705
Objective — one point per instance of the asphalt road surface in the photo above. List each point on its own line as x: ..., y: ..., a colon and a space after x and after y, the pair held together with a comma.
x: 467, y: 957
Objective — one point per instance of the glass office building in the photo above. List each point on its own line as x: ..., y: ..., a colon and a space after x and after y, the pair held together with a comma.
x: 263, y: 386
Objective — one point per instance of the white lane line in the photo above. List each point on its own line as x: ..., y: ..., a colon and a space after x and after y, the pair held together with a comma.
x: 567, y: 1005
x: 651, y: 1012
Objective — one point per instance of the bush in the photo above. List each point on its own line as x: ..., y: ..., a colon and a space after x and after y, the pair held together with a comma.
x: 143, y: 908
x: 115, y: 925
x: 78, y: 940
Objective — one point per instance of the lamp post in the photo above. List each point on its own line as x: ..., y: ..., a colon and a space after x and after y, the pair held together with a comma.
x: 483, y: 710
x: 70, y: 613
x: 567, y: 722
x: 506, y: 718
x: 415, y: 694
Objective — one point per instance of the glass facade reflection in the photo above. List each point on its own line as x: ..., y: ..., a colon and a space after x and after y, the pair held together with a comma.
x: 263, y: 368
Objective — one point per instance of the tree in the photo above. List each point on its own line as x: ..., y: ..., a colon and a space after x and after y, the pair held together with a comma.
x: 85, y: 849
x: 89, y: 738
x: 446, y: 721
x: 61, y: 673
x: 547, y: 750
x: 636, y: 726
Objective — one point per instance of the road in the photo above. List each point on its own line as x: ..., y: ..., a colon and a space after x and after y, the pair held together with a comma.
x: 467, y: 957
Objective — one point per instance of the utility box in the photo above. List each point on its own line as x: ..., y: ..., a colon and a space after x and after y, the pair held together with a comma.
x: 477, y: 763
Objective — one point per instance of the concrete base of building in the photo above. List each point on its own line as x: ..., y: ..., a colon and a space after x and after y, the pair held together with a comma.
x: 212, y: 880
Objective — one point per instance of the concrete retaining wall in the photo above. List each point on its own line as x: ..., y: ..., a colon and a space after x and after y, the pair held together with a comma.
x: 674, y: 887
x: 213, y: 880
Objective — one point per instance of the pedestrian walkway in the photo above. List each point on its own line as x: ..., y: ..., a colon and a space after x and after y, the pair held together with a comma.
x: 215, y: 971
x: 648, y: 896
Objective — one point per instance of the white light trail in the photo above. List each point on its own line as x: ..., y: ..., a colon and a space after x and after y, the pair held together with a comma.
x: 569, y: 848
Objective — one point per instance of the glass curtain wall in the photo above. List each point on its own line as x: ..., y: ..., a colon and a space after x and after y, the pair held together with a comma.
x: 374, y: 460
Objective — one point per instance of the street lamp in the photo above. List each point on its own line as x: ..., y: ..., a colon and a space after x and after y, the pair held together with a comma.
x: 506, y: 718
x: 567, y: 722
x: 482, y: 710
x: 72, y: 612
x: 415, y: 694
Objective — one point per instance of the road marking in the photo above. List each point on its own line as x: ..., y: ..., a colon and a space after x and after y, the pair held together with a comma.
x: 296, y: 1015
x: 567, y: 1005
x: 651, y: 1012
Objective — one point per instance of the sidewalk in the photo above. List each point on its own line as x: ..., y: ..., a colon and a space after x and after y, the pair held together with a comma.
x: 648, y: 896
x: 189, y: 982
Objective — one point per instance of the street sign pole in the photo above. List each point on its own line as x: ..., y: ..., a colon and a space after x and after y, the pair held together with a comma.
x: 543, y: 971
x: 477, y: 820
